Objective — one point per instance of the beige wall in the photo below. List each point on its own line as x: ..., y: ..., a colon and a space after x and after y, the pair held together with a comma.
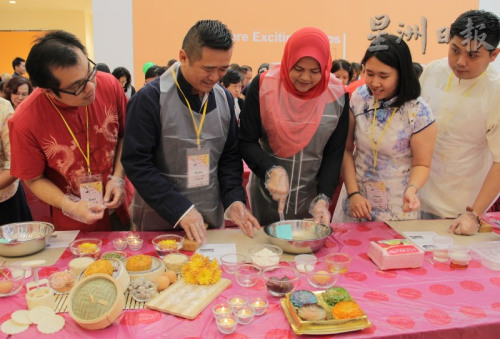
x: 159, y: 26
x: 76, y: 22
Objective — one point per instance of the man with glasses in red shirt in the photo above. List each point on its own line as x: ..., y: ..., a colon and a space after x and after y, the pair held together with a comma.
x: 67, y: 138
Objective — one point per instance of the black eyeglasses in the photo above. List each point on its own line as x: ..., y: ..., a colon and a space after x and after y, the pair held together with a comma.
x: 83, y: 84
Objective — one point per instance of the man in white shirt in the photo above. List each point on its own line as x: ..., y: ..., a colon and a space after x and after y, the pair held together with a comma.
x: 463, y: 91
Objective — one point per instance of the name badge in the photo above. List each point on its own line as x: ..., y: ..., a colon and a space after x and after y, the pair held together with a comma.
x: 91, y: 188
x: 376, y: 193
x: 198, y: 167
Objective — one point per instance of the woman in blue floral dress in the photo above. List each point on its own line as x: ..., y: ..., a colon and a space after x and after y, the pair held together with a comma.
x: 390, y: 142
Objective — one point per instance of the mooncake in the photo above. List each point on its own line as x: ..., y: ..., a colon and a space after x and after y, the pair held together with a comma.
x: 347, y: 310
x: 139, y: 262
x: 99, y: 266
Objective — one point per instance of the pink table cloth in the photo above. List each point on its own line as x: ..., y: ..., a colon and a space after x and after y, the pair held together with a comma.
x: 427, y: 302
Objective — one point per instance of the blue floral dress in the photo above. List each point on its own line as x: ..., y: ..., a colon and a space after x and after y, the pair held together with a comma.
x: 394, y: 158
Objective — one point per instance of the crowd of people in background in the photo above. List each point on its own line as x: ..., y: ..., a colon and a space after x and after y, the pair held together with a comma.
x: 306, y: 127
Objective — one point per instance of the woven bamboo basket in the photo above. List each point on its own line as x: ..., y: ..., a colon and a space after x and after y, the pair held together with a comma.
x: 175, y: 261
x: 96, y: 301
x: 120, y: 274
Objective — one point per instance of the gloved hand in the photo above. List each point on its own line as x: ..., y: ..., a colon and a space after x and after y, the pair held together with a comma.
x: 278, y: 186
x: 241, y: 216
x: 360, y: 207
x: 319, y: 209
x: 115, y: 192
x: 410, y: 199
x: 194, y: 226
x: 466, y: 224
x: 81, y: 210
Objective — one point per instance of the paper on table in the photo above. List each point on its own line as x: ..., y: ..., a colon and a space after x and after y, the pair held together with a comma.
x: 62, y: 238
x: 215, y: 251
x: 441, y: 228
x: 421, y: 239
x: 243, y: 243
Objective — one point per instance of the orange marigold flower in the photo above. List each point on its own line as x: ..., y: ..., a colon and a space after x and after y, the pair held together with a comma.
x: 200, y: 270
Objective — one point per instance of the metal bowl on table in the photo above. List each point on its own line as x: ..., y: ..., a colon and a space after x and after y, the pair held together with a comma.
x: 298, y: 236
x: 24, y: 238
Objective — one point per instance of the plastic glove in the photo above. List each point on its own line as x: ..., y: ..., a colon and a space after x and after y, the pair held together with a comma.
x: 410, y: 200
x: 360, y: 207
x: 194, y: 226
x: 81, y: 210
x: 114, y: 192
x: 278, y: 186
x: 465, y: 224
x: 319, y: 209
x: 241, y: 216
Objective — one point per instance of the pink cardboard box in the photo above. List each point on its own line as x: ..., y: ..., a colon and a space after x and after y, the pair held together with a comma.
x: 395, y: 253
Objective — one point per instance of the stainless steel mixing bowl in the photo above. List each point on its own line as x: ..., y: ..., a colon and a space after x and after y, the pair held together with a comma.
x: 298, y: 236
x: 24, y: 238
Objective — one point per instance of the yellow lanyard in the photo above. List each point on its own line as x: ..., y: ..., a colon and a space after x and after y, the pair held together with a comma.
x: 87, y: 157
x: 376, y: 146
x: 196, y: 128
x: 447, y: 118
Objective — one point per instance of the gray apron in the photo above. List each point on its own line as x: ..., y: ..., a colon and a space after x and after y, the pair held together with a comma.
x: 302, y: 169
x: 177, y: 136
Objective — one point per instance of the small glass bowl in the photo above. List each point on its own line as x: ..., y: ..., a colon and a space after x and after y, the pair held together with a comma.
x: 227, y: 324
x: 305, y: 262
x: 78, y: 265
x: 459, y: 260
x: 236, y: 302
x: 119, y: 255
x: 244, y: 315
x: 135, y: 244
x: 320, y: 276
x: 338, y: 262
x: 131, y: 235
x: 258, y: 304
x: 458, y: 250
x: 280, y: 280
x: 247, y: 275
x: 175, y: 261
x: 167, y: 243
x: 120, y: 243
x: 87, y: 247
x: 265, y: 255
x: 221, y: 310
x: 11, y: 280
x: 142, y: 289
x: 61, y: 282
x: 442, y: 244
x: 231, y: 261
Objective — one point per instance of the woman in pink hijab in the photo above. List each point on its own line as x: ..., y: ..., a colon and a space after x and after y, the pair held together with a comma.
x: 293, y: 130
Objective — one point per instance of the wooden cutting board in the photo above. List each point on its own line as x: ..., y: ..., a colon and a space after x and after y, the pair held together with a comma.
x: 186, y: 300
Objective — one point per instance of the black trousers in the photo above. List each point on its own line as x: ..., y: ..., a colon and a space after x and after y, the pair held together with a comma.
x: 15, y: 209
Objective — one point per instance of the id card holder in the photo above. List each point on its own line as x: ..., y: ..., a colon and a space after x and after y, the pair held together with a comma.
x: 91, y: 189
x: 198, y: 167
x: 376, y: 193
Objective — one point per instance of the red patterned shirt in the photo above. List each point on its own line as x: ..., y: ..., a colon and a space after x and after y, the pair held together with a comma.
x: 42, y: 145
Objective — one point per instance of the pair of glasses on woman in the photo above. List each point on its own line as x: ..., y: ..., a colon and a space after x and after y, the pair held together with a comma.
x: 83, y: 84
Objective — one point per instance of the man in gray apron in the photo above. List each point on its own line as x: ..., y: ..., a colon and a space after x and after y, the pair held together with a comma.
x: 463, y: 92
x: 180, y: 149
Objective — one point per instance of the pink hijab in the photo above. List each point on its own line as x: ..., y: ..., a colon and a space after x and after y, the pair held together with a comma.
x: 291, y: 118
